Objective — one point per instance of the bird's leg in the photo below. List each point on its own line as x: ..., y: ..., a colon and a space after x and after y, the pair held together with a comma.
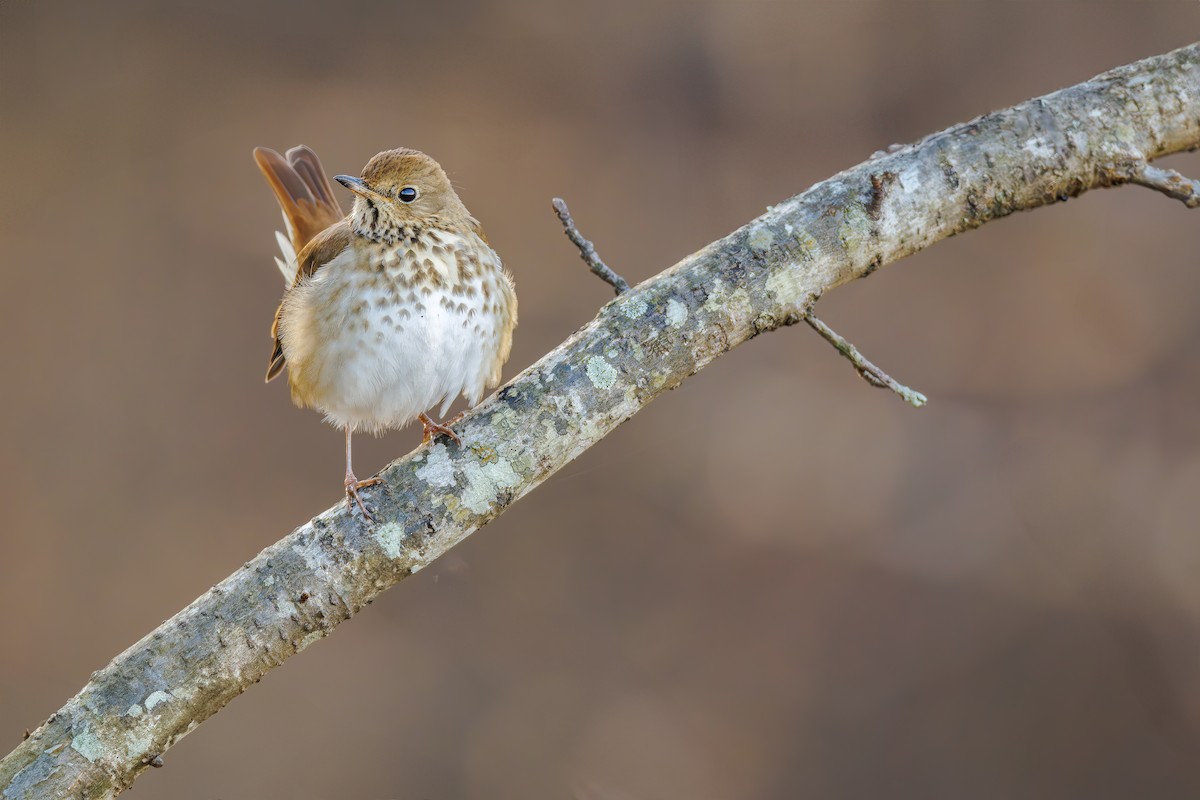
x: 353, y: 484
x: 434, y: 428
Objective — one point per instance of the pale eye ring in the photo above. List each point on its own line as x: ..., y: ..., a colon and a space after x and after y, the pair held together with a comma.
x: 407, y: 194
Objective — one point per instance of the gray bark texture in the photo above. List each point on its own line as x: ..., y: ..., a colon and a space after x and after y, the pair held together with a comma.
x: 649, y: 339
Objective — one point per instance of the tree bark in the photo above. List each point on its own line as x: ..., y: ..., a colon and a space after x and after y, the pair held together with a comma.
x: 649, y: 339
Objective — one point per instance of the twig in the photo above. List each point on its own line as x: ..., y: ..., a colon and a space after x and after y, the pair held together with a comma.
x: 869, y: 372
x: 587, y: 250
x: 1170, y: 183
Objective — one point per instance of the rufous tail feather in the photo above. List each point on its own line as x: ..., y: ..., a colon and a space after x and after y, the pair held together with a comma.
x: 305, y: 197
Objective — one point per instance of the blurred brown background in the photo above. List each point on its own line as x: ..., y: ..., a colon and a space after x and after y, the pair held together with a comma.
x: 996, y: 596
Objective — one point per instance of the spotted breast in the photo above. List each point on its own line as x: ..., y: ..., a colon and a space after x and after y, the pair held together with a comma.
x: 386, y: 330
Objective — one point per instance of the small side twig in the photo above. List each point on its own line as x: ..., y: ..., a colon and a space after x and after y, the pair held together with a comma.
x: 1170, y: 183
x: 587, y: 250
x: 869, y: 372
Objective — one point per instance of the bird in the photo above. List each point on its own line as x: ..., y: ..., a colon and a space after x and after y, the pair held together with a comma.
x: 391, y: 309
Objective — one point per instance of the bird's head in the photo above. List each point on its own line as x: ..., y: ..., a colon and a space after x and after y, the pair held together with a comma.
x: 402, y: 188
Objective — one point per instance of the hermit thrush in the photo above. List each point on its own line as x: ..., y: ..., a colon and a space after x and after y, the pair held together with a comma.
x: 388, y: 311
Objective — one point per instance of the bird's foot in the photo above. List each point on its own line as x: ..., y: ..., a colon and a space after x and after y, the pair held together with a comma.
x: 353, y: 484
x: 435, y: 428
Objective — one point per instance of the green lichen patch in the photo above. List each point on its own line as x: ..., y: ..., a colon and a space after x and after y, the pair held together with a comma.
x: 760, y: 239
x: 788, y: 287
x: 677, y: 313
x: 87, y: 745
x: 439, y: 469
x: 157, y: 698
x: 632, y: 308
x: 391, y: 537
x: 485, y: 453
x: 601, y: 373
x: 485, y: 482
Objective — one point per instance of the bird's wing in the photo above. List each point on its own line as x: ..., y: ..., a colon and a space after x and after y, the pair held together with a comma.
x: 305, y: 197
x: 317, y: 253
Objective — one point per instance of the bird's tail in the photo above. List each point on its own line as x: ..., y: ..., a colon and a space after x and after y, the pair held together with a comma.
x: 304, y: 195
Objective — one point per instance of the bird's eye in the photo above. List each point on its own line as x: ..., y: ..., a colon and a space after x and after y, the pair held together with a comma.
x: 407, y: 194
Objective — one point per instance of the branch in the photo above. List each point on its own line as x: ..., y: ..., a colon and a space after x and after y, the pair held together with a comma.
x: 869, y: 372
x: 646, y: 341
x: 1170, y: 183
x: 587, y: 250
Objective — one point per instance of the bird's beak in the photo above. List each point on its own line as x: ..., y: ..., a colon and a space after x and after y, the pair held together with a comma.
x: 356, y: 185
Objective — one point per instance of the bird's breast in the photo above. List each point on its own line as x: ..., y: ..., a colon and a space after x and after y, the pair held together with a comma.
x: 384, y: 332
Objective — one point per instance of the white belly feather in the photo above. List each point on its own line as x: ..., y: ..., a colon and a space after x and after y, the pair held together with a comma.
x: 372, y: 352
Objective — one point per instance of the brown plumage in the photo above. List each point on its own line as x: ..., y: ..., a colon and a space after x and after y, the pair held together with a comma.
x: 303, y: 192
x: 397, y: 307
x: 310, y: 210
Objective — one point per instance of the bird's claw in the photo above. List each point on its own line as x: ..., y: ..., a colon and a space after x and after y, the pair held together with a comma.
x: 352, y: 496
x: 436, y: 428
